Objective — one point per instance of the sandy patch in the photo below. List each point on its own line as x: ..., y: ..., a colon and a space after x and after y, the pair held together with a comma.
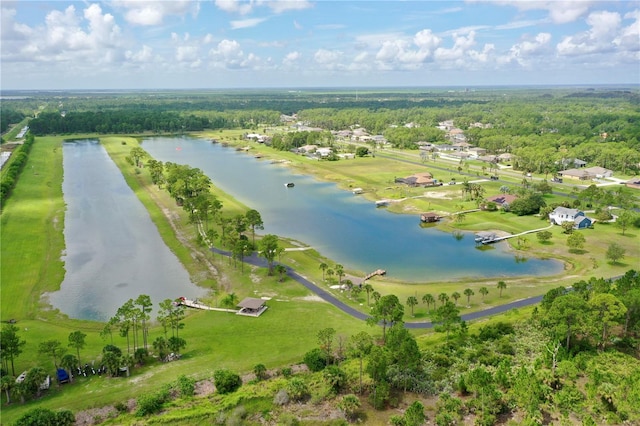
x: 311, y: 298
x: 443, y: 195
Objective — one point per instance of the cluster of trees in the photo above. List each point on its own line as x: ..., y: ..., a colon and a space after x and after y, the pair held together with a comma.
x: 117, y: 121
x: 131, y: 321
x: 291, y: 140
x: 12, y: 169
x: 9, y: 116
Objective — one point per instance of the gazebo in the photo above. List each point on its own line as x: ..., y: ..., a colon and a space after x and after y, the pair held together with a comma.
x: 252, y: 307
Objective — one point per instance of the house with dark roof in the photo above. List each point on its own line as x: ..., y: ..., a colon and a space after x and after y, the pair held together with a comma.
x: 502, y: 200
x: 563, y: 214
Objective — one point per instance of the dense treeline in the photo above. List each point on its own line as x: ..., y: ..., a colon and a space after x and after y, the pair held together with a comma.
x: 121, y: 121
x: 8, y: 117
x: 14, y: 167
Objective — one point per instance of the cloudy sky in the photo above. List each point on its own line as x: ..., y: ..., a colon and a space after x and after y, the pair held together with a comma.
x: 135, y: 44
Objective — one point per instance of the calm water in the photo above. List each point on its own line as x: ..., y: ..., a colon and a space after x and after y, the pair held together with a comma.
x: 346, y: 228
x: 113, y: 249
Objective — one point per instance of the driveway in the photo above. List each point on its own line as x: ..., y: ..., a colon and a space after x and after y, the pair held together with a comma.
x: 256, y: 260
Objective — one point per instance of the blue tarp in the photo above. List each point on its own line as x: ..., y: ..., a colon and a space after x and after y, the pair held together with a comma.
x: 63, y: 376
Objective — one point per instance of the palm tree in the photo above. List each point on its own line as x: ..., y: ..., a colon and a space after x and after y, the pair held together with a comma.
x: 411, y: 302
x: 349, y: 285
x: 7, y: 382
x: 483, y: 291
x: 369, y: 289
x: 455, y: 296
x: 443, y: 298
x: 428, y: 299
x: 280, y: 270
x: 339, y: 272
x: 468, y: 292
x: 330, y: 273
x: 501, y: 286
x: 324, y: 267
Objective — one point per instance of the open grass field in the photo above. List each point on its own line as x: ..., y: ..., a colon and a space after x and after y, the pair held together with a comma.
x: 32, y: 245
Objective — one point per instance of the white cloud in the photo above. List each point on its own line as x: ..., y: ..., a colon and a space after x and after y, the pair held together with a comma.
x: 629, y: 37
x: 523, y: 52
x: 291, y: 58
x: 280, y: 6
x: 146, y: 13
x: 459, y: 49
x: 234, y: 6
x: 244, y: 7
x: 329, y: 59
x: 560, y: 11
x: 68, y: 36
x: 426, y: 40
x: 229, y: 54
x: 143, y: 56
x: 246, y: 23
x: 598, y: 39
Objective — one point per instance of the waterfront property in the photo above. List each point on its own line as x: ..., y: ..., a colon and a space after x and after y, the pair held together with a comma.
x: 563, y: 214
x: 429, y: 217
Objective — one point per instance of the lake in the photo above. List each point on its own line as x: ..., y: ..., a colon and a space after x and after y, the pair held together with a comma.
x: 113, y: 250
x: 346, y: 228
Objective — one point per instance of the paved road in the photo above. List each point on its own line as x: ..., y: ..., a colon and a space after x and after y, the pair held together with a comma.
x: 256, y: 260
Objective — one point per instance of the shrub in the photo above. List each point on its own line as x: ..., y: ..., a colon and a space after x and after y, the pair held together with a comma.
x: 151, y: 403
x: 316, y: 359
x: 286, y: 372
x: 226, y: 381
x: 297, y: 389
x: 186, y: 385
x: 44, y: 416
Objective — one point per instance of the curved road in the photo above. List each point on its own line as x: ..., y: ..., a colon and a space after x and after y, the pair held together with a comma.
x: 256, y: 260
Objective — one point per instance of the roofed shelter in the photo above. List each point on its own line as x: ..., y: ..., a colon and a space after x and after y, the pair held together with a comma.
x: 252, y: 307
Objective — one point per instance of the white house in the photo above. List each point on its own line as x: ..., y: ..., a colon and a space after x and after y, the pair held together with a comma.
x: 563, y: 214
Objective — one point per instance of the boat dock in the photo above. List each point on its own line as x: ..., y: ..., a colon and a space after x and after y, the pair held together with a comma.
x: 197, y: 305
x: 377, y: 272
x: 491, y: 237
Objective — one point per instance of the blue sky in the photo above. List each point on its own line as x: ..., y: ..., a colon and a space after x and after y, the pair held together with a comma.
x: 182, y: 44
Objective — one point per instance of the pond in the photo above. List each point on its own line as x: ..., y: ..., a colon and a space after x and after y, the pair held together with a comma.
x: 344, y: 227
x: 113, y: 250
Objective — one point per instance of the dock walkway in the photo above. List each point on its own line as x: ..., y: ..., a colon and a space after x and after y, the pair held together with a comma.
x: 197, y: 305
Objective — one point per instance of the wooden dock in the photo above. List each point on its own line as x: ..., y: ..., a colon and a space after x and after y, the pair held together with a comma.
x: 197, y: 305
x: 379, y: 272
x: 490, y: 237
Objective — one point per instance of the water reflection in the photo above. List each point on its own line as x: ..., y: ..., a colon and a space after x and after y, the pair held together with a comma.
x: 113, y: 249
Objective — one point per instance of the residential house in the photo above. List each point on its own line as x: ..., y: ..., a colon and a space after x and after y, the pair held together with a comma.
x: 599, y: 172
x: 563, y: 214
x: 633, y: 183
x: 503, y: 201
x: 419, y: 179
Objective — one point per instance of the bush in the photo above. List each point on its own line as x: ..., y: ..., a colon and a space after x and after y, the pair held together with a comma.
x: 151, y: 403
x: 316, y: 359
x: 44, y: 416
x: 226, y: 381
x: 286, y: 372
x: 186, y: 385
x: 297, y: 389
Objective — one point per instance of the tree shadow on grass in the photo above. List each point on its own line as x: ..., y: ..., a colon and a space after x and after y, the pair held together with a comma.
x: 578, y: 251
